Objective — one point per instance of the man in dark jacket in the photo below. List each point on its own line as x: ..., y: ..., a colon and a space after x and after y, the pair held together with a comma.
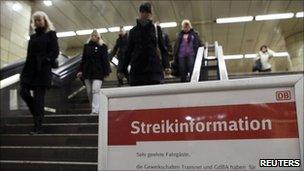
x: 142, y: 52
x: 185, y: 50
x: 120, y: 50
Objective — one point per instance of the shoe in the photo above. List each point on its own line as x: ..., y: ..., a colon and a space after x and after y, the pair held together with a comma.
x: 36, y: 131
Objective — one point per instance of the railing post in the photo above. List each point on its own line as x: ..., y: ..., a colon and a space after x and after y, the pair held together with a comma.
x: 197, y: 65
x: 221, y: 64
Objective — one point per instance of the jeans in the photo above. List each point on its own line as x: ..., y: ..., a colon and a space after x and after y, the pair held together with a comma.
x: 186, y: 65
x: 93, y: 89
x: 35, y: 103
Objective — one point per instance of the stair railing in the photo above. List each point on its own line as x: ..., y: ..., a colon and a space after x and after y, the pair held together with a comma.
x: 201, y: 53
x: 222, y: 70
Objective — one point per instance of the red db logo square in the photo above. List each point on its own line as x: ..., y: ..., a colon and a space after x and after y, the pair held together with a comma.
x: 283, y: 95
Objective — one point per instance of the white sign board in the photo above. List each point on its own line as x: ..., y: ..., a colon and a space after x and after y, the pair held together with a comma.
x: 217, y: 125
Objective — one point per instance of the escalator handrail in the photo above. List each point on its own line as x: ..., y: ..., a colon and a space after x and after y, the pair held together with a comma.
x: 201, y: 54
x: 10, y: 69
x: 69, y: 64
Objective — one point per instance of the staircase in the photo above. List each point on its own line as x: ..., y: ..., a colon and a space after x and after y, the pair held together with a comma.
x: 69, y: 142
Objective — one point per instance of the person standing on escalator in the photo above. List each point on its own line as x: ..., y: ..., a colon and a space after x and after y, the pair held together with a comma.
x: 94, y: 68
x: 36, y: 75
x: 185, y: 50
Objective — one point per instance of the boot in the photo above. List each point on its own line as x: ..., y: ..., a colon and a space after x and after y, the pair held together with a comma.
x: 37, y: 127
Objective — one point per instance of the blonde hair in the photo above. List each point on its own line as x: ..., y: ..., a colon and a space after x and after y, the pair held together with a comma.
x: 48, y: 23
x: 186, y: 22
x: 95, y: 32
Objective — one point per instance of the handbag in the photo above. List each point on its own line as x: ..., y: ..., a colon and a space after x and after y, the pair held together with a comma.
x: 257, y: 66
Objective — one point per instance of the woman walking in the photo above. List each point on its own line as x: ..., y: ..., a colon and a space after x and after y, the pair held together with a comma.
x: 36, y: 75
x: 186, y: 47
x: 94, y: 68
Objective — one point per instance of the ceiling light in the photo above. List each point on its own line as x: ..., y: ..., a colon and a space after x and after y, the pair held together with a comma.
x: 233, y: 56
x: 234, y: 19
x: 168, y: 24
x: 66, y: 34
x: 17, y: 6
x: 250, y: 55
x: 102, y: 30
x: 127, y: 28
x: 281, y: 54
x: 83, y: 32
x: 300, y: 14
x: 114, y: 29
x: 274, y: 16
x: 48, y: 3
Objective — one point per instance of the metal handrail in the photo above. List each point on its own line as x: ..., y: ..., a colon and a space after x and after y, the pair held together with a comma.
x: 198, y: 63
x: 221, y: 63
x: 203, y: 54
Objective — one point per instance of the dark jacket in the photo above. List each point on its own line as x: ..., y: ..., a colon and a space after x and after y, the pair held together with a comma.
x: 42, y: 51
x: 95, y: 63
x: 146, y: 64
x: 196, y: 43
x: 167, y: 42
x: 120, y: 49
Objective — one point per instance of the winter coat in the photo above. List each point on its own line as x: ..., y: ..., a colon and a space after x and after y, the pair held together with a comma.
x: 167, y: 42
x: 196, y: 43
x: 42, y: 51
x: 120, y: 49
x: 146, y: 63
x: 95, y: 64
x: 264, y: 57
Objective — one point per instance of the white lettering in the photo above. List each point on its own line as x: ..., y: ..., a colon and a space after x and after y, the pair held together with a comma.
x: 134, y: 126
x: 167, y: 126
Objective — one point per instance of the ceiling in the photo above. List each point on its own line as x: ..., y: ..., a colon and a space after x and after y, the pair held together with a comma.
x: 70, y: 15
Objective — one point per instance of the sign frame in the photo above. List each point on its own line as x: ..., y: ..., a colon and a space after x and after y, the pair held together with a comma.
x: 293, y: 81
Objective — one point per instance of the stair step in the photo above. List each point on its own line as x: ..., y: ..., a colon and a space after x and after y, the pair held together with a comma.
x: 47, y: 153
x: 54, y: 118
x: 15, y: 165
x: 211, y: 67
x: 211, y: 59
x: 80, y: 105
x: 58, y: 128
x: 49, y: 140
x: 79, y: 111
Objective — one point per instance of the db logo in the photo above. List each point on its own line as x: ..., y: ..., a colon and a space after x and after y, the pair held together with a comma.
x: 283, y: 95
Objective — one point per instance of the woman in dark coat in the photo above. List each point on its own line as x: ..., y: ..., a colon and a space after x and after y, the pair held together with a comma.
x: 185, y: 50
x: 94, y: 68
x: 36, y: 75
